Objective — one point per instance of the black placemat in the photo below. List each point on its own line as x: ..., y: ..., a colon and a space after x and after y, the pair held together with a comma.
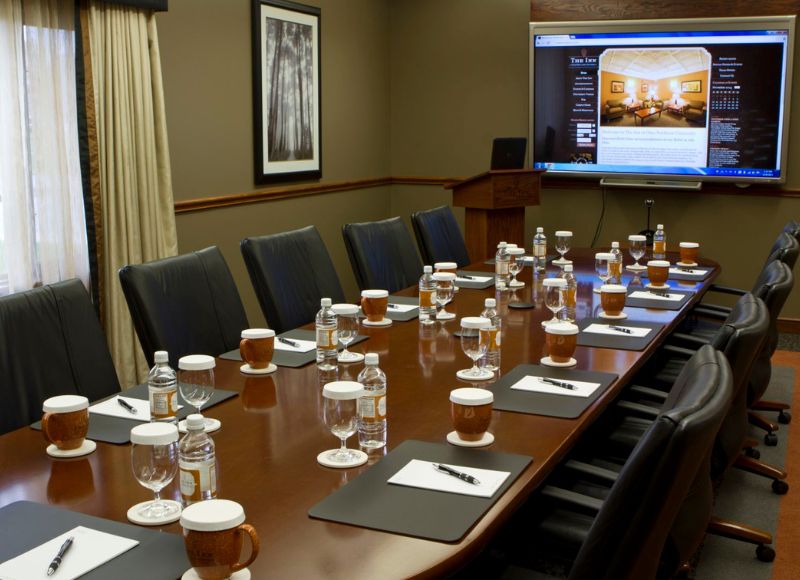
x: 25, y: 525
x: 118, y: 430
x: 563, y: 406
x: 619, y: 341
x: 474, y: 284
x: 284, y: 358
x: 370, y: 502
x: 655, y: 302
x: 684, y: 277
x: 400, y: 316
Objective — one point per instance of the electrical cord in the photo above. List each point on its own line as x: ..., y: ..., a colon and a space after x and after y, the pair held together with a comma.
x: 599, y: 227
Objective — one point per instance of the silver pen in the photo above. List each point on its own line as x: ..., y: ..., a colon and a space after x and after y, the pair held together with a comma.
x: 460, y: 475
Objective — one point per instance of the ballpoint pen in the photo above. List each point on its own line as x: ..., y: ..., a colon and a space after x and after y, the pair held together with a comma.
x: 662, y: 294
x: 392, y: 306
x: 60, y: 556
x: 465, y: 277
x: 561, y: 384
x: 127, y: 406
x: 289, y: 342
x: 619, y: 329
x: 450, y: 471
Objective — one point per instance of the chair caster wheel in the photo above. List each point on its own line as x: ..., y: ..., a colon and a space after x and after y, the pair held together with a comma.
x: 751, y: 452
x: 765, y: 553
x: 770, y: 440
x: 784, y: 417
x: 780, y: 487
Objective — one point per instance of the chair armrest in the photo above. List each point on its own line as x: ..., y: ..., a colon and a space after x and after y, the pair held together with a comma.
x: 648, y: 393
x: 717, y: 307
x: 687, y: 352
x: 727, y: 290
x: 638, y: 408
x: 709, y: 313
x: 592, y: 470
x: 690, y: 338
x: 572, y: 498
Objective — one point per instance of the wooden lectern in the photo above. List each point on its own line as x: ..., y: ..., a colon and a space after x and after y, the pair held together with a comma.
x: 495, y: 203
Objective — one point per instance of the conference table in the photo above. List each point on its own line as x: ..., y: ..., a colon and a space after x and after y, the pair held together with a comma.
x: 272, y: 432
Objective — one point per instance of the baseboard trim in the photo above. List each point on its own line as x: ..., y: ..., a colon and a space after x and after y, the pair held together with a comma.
x: 789, y: 325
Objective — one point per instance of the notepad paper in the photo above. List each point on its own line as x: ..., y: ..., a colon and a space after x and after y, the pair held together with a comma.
x: 472, y: 278
x: 90, y: 549
x: 112, y: 408
x: 673, y: 297
x: 302, y: 345
x: 536, y: 385
x: 422, y: 474
x: 402, y: 307
x: 687, y: 271
x: 633, y: 331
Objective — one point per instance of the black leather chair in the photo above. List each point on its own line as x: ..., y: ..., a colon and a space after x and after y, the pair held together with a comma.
x: 382, y: 254
x: 186, y: 304
x: 439, y: 237
x: 619, y: 521
x: 51, y: 343
x: 290, y: 272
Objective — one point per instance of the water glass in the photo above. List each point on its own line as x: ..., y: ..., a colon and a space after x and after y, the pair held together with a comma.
x: 637, y: 248
x: 196, y: 381
x: 154, y: 461
x: 602, y: 266
x: 563, y: 243
x: 554, y: 289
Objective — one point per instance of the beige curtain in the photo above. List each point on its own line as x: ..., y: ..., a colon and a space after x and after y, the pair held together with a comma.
x: 135, y: 181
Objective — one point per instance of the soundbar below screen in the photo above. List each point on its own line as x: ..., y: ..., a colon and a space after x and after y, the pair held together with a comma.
x: 688, y: 103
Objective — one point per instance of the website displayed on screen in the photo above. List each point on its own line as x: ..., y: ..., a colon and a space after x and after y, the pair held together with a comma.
x: 670, y: 103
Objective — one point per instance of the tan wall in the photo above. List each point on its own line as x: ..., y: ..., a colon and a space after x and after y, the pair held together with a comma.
x: 605, y: 87
x: 702, y: 76
x: 206, y: 58
x: 464, y: 80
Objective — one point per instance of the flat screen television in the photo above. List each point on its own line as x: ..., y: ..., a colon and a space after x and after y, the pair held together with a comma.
x: 662, y: 102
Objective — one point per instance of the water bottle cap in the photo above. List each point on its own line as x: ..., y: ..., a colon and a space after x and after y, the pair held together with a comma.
x: 161, y: 356
x: 660, y: 227
x: 371, y: 358
x: 615, y: 244
x: 490, y: 303
x: 427, y: 269
x: 325, y: 302
x: 195, y: 422
x: 539, y: 230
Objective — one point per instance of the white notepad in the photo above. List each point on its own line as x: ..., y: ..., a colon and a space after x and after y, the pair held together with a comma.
x: 479, y: 279
x: 673, y: 297
x: 90, y: 549
x: 635, y: 331
x: 302, y: 345
x: 402, y: 307
x: 687, y: 271
x: 536, y: 385
x: 422, y: 474
x: 112, y: 408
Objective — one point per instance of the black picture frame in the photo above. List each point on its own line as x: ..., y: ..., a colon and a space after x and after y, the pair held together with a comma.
x: 287, y: 91
x: 617, y: 87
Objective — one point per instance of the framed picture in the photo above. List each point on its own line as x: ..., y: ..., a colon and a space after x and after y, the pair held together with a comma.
x: 617, y: 87
x: 645, y: 88
x: 286, y: 91
x: 691, y: 86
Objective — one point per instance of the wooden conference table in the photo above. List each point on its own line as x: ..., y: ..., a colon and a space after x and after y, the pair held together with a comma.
x: 272, y: 433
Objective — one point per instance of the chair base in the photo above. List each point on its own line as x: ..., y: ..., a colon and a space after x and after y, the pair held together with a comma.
x: 782, y: 408
x: 752, y: 465
x: 744, y: 533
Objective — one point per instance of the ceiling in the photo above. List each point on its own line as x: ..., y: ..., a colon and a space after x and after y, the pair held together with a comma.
x: 654, y: 64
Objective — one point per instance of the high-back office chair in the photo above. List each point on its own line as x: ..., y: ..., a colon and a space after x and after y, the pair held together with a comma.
x: 186, y: 304
x: 382, y: 254
x: 622, y: 519
x: 290, y: 272
x: 439, y: 237
x: 51, y: 343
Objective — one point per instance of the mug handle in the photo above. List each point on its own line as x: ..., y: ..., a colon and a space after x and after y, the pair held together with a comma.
x: 45, y: 421
x: 254, y: 541
x: 245, y: 349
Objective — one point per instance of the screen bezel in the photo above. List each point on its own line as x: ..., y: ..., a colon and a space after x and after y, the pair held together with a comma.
x: 669, y: 25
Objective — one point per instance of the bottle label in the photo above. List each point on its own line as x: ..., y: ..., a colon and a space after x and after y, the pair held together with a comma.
x: 615, y: 269
x: 163, y: 403
x: 659, y: 246
x: 501, y: 268
x: 426, y: 298
x: 540, y: 250
x: 197, y: 479
x: 327, y: 337
x: 570, y: 297
x: 492, y: 338
x: 374, y: 408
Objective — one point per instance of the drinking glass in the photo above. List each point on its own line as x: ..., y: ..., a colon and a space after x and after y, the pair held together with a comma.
x: 341, y: 417
x: 196, y: 382
x: 601, y: 266
x: 554, y: 289
x: 637, y: 247
x: 475, y: 343
x: 444, y: 294
x: 347, y: 330
x: 154, y: 467
x: 516, y: 265
x: 563, y: 243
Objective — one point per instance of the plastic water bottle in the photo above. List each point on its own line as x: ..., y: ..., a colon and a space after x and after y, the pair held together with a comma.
x: 568, y: 313
x: 539, y: 251
x: 615, y: 266
x: 427, y: 296
x: 372, y: 406
x: 197, y: 462
x: 501, y: 261
x: 660, y: 243
x: 491, y: 360
x: 162, y: 388
x: 327, y: 338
